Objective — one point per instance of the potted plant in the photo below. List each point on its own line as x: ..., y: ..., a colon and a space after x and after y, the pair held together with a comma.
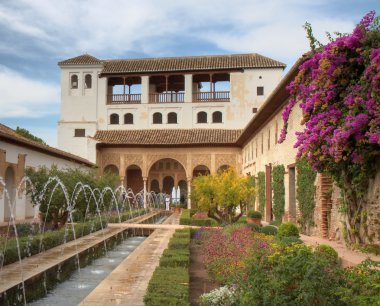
x: 254, y: 216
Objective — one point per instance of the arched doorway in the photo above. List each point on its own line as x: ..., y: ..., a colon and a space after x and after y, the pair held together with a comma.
x: 11, y: 188
x: 201, y: 170
x: 183, y: 191
x: 168, y: 173
x: 134, y: 178
x: 223, y: 168
x: 111, y: 169
x: 154, y: 186
x: 168, y: 184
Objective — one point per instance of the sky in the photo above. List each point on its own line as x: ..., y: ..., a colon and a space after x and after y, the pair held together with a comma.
x: 36, y: 34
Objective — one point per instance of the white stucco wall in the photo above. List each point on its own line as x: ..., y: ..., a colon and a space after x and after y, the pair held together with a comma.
x: 23, y: 207
x: 87, y: 109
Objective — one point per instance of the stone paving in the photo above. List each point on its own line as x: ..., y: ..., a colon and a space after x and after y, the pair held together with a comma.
x: 126, y: 285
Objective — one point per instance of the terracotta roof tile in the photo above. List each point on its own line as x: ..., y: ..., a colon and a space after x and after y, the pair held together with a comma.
x: 7, y: 133
x: 84, y: 59
x: 168, y: 137
x: 191, y: 63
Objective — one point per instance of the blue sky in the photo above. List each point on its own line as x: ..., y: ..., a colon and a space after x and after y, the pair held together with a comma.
x: 36, y: 34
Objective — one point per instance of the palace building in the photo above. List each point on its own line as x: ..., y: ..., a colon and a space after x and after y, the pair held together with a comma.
x: 158, y: 122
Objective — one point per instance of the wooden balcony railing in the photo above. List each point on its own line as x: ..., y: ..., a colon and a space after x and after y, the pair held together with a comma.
x: 167, y: 97
x: 211, y: 96
x: 124, y: 99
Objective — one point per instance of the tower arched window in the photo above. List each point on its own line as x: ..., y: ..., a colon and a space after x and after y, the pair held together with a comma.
x: 74, y: 81
x: 128, y: 118
x: 157, y: 118
x: 88, y: 81
x: 114, y: 119
x: 172, y: 118
x: 202, y: 117
x: 217, y: 117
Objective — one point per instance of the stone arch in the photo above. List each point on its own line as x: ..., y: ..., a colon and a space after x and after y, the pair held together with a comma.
x: 155, y: 158
x: 183, y: 191
x: 201, y: 170
x: 154, y: 186
x: 112, y: 169
x: 10, y: 186
x: 134, y: 178
x: 223, y: 168
x: 167, y: 184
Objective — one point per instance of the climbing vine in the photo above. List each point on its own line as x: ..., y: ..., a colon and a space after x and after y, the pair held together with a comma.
x: 305, y: 193
x: 252, y: 183
x: 338, y: 90
x: 278, y: 188
x: 261, y: 187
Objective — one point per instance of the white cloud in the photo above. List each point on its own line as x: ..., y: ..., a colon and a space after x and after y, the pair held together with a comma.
x: 24, y: 97
x: 72, y: 27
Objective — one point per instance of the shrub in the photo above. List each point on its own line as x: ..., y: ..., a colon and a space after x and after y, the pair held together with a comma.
x: 361, y: 284
x: 276, y: 222
x: 254, y: 214
x: 288, y: 229
x: 169, y: 284
x: 221, y: 296
x: 185, y: 219
x: 293, y: 275
x: 269, y: 230
x: 254, y: 227
x: 286, y: 241
x: 326, y: 252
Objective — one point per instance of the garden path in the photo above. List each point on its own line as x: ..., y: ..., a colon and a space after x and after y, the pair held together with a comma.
x: 126, y: 285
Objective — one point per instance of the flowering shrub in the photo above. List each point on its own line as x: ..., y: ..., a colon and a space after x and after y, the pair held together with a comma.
x: 222, y: 296
x: 225, y: 251
x: 338, y: 88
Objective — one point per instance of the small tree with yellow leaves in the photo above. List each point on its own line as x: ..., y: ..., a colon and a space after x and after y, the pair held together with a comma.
x: 224, y: 196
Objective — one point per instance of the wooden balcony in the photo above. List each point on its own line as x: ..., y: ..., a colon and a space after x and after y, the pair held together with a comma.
x: 211, y: 96
x: 124, y: 99
x: 167, y: 97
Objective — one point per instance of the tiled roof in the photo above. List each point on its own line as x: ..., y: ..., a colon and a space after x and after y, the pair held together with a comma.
x: 11, y: 136
x: 168, y: 137
x: 191, y: 63
x: 84, y: 59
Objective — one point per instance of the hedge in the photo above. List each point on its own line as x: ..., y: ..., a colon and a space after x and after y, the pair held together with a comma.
x: 169, y: 284
x: 34, y: 244
x: 185, y: 219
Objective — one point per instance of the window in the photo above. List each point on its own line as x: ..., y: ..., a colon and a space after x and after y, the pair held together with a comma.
x: 157, y: 118
x: 202, y: 117
x: 74, y: 81
x: 114, y: 119
x: 217, y: 117
x: 260, y: 90
x: 172, y: 118
x: 88, y: 81
x: 128, y: 118
x: 268, y: 140
x: 79, y: 133
x: 262, y: 143
x: 276, y: 134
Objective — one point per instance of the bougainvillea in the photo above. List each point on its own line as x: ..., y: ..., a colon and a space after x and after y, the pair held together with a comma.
x: 338, y: 88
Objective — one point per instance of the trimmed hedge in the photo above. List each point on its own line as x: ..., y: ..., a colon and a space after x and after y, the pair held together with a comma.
x: 36, y: 243
x: 186, y: 219
x: 169, y: 284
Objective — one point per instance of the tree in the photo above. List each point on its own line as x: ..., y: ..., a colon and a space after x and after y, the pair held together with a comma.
x: 223, y: 195
x: 338, y: 88
x: 54, y: 197
x: 25, y: 133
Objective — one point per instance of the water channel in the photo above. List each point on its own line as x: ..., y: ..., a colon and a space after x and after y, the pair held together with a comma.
x: 83, y: 281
